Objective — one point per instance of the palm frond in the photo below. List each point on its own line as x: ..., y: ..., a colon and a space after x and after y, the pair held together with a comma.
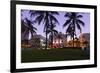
x: 55, y: 31
x: 52, y: 18
x: 34, y: 28
x: 67, y: 15
x: 67, y: 22
x: 54, y: 13
x: 44, y: 19
x: 35, y: 13
x: 39, y: 19
x: 80, y: 22
x: 69, y: 29
x: 79, y: 16
x: 48, y: 31
x: 78, y: 26
x: 28, y: 21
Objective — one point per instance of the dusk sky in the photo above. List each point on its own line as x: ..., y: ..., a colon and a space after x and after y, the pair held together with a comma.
x: 61, y: 19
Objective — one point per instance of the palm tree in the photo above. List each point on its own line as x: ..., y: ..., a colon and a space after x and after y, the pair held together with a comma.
x: 31, y: 28
x: 52, y: 33
x: 45, y: 17
x: 73, y: 21
x: 70, y: 32
x: 28, y: 28
x: 60, y: 36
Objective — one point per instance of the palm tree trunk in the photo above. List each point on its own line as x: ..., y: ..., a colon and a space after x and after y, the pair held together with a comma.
x: 52, y: 40
x: 73, y: 40
x: 46, y: 29
x: 46, y: 39
x: 51, y: 34
x: 73, y: 31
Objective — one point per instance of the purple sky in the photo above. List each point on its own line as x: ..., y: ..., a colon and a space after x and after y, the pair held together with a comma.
x: 61, y: 19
